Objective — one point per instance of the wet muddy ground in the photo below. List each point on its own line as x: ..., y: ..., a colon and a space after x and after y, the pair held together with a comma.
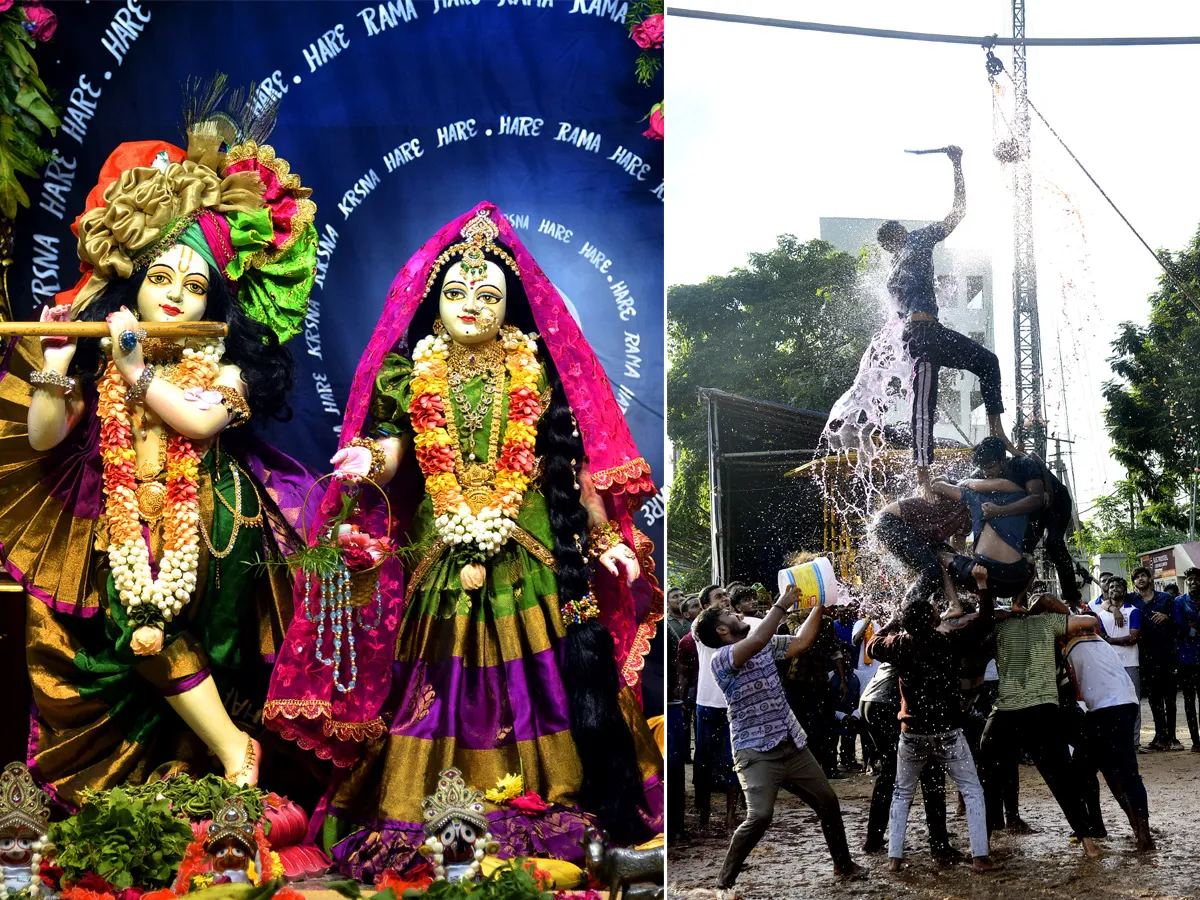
x: 791, y: 860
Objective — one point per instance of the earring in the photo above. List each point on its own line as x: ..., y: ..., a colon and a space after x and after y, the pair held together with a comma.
x: 438, y: 328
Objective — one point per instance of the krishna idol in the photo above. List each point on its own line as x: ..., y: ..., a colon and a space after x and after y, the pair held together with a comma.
x: 513, y: 627
x: 134, y: 499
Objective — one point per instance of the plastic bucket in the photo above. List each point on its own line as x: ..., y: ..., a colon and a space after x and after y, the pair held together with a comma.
x: 814, y: 580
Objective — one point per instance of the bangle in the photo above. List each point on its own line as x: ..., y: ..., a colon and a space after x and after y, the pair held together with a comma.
x: 52, y: 379
x: 378, y: 460
x: 138, y: 391
x: 234, y: 403
x: 576, y: 612
x: 603, y: 538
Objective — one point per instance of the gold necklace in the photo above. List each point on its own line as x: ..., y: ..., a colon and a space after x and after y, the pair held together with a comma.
x: 464, y: 364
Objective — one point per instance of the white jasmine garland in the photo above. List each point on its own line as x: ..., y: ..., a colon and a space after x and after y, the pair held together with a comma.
x: 176, y: 579
x: 488, y: 531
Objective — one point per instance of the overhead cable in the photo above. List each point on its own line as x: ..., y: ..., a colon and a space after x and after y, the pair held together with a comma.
x: 977, y: 41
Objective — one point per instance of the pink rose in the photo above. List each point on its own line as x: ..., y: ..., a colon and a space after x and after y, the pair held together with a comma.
x: 648, y: 34
x: 354, y: 538
x: 357, y: 558
x: 43, y: 21
x: 146, y: 641
x: 655, y: 131
x: 528, y: 802
x: 5, y: 5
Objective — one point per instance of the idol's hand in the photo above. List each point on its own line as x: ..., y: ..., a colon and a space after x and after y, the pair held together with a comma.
x: 621, y: 562
x: 351, y: 464
x: 147, y: 640
x: 129, y: 361
x: 57, y: 351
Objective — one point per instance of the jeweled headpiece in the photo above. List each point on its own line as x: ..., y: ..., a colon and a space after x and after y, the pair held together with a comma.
x: 22, y: 802
x: 453, y: 799
x: 232, y: 823
x: 479, y: 238
x: 227, y: 196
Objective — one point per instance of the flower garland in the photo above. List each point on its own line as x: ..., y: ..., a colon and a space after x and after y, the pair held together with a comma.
x: 160, y: 599
x: 437, y: 851
x: 489, y: 528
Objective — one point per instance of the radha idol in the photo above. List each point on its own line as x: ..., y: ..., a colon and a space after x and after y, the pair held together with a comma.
x: 510, y: 640
x: 134, y: 499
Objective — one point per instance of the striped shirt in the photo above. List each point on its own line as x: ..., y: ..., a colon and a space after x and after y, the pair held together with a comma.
x: 1025, y: 660
x: 759, y: 715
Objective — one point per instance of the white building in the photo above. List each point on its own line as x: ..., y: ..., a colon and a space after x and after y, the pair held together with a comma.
x: 964, y: 295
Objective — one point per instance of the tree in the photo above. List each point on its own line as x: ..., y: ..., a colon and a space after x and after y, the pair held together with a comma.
x: 789, y: 327
x: 1153, y: 412
x: 1117, y: 526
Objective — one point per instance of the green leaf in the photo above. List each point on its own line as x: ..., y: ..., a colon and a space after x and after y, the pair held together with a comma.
x: 30, y: 99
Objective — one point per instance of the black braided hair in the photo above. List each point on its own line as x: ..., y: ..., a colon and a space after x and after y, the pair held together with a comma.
x: 612, y: 783
x: 267, y: 366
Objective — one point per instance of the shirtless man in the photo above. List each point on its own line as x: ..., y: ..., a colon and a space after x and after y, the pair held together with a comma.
x: 997, y: 542
x: 1048, y: 506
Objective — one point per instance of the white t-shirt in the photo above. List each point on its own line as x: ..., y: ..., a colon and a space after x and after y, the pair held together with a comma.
x: 1133, y: 619
x: 708, y: 693
x: 1099, y: 673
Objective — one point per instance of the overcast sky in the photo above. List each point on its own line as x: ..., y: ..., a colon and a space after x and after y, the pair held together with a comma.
x: 772, y: 129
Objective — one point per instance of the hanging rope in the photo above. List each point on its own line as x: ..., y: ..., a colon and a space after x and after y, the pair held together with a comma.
x: 1170, y: 273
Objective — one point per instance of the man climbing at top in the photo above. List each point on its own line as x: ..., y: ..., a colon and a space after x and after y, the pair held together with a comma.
x: 930, y: 343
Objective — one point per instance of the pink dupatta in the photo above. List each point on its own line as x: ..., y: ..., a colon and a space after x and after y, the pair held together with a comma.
x: 303, y: 704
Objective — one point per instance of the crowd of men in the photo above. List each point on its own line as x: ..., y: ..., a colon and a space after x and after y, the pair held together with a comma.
x: 953, y: 683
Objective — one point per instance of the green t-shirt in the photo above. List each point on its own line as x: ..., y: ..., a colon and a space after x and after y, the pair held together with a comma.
x: 1025, y: 660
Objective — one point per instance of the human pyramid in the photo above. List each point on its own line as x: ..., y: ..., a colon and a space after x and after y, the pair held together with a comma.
x: 915, y: 714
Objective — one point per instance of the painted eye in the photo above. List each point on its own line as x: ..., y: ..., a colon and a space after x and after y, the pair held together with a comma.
x: 238, y: 852
x: 489, y: 298
x: 449, y: 834
x: 454, y: 294
x: 197, y: 288
x: 468, y: 834
x: 7, y: 844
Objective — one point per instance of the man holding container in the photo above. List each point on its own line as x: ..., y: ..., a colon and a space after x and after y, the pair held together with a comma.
x: 770, y: 747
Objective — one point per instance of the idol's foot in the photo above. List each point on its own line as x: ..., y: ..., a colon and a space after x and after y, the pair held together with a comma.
x: 247, y: 772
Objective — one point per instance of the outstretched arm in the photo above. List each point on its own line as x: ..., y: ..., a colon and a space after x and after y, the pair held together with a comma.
x: 990, y: 485
x: 762, y: 634
x: 807, y: 635
x: 946, y: 489
x: 959, y: 209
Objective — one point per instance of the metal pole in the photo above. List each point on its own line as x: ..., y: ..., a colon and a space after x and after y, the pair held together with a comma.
x: 714, y: 492
x: 1192, y: 523
x: 1030, y: 427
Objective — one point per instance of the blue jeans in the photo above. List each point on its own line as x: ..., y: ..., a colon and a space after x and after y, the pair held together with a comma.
x: 951, y: 750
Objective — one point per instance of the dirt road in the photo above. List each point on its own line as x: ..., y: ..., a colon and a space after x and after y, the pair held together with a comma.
x: 791, y: 860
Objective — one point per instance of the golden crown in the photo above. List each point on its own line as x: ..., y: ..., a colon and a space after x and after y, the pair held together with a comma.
x: 232, y: 823
x: 479, y: 238
x: 22, y: 802
x: 453, y: 799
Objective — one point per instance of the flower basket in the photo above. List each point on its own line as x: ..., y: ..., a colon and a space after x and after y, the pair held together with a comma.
x: 340, y: 572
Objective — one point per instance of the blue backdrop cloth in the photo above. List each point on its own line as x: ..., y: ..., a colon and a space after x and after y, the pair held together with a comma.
x: 399, y: 115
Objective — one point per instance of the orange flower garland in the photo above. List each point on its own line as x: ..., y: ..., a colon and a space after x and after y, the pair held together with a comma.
x: 128, y: 553
x: 490, y: 528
